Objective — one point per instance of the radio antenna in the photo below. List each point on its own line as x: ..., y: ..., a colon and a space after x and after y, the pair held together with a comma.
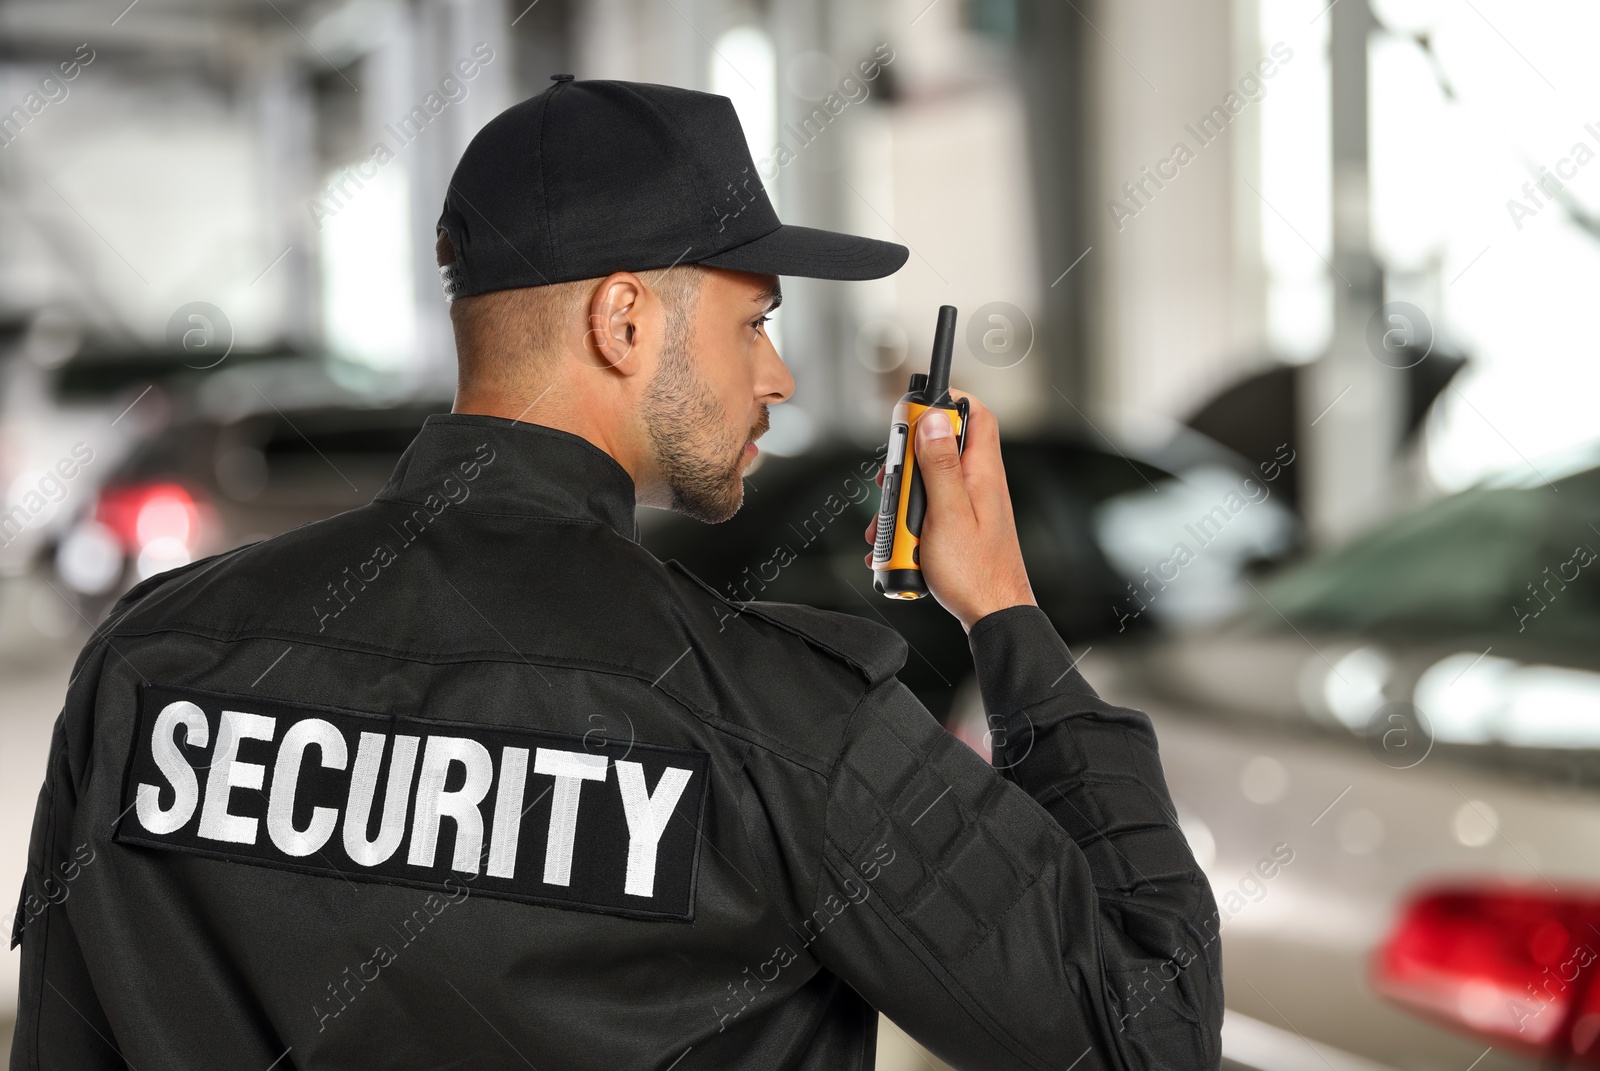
x: 944, y: 340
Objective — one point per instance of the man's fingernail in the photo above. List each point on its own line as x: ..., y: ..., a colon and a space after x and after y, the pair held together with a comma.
x: 934, y: 424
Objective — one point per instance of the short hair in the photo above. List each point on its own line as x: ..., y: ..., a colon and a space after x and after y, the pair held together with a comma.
x: 532, y: 319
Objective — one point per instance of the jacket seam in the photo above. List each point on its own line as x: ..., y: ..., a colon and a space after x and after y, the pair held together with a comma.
x: 711, y: 720
x: 761, y: 861
x: 844, y: 737
x: 827, y: 799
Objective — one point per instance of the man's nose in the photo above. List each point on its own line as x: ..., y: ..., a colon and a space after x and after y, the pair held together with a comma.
x: 775, y: 383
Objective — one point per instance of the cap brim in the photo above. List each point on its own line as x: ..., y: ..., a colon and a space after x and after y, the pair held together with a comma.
x: 813, y: 254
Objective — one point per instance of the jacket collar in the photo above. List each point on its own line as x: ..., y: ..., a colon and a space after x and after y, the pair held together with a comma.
x: 514, y: 467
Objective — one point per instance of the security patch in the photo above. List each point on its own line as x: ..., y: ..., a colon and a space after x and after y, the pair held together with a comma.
x: 546, y: 818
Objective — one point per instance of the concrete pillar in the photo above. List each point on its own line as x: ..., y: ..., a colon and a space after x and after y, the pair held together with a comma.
x: 812, y: 193
x: 281, y: 111
x: 1165, y: 326
x: 1351, y: 411
x: 445, y: 32
x: 1056, y: 83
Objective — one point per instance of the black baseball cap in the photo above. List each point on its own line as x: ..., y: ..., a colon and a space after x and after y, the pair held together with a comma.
x: 592, y: 177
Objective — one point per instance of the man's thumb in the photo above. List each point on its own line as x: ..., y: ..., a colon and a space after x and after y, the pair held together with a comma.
x: 937, y: 456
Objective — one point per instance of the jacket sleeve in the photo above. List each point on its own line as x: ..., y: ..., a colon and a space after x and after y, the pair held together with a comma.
x: 1041, y: 912
x: 60, y: 1023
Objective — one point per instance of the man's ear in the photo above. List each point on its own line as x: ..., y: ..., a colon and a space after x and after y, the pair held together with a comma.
x: 615, y: 313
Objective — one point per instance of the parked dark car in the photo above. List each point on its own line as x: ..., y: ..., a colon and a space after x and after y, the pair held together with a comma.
x: 798, y: 538
x: 205, y: 485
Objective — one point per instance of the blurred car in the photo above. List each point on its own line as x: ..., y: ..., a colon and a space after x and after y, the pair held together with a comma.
x: 1389, y: 763
x: 798, y: 538
x: 69, y: 413
x: 76, y: 402
x: 207, y: 484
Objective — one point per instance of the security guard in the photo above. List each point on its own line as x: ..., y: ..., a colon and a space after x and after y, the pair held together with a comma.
x: 466, y: 778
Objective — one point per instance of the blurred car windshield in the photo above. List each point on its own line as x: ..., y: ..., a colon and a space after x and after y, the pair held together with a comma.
x: 1485, y: 561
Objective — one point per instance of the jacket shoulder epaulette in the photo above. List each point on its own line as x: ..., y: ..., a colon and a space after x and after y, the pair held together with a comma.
x: 874, y: 651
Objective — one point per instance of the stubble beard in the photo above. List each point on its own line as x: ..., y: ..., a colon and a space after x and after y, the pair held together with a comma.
x: 700, y: 458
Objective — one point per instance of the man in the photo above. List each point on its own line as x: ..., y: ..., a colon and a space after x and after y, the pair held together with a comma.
x: 467, y: 778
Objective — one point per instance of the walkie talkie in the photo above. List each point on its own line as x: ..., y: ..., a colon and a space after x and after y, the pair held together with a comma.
x: 896, y: 563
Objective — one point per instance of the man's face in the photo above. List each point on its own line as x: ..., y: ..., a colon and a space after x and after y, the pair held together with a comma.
x: 708, y: 401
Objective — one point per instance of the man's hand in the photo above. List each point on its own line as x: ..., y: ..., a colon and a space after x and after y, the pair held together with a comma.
x: 970, y: 557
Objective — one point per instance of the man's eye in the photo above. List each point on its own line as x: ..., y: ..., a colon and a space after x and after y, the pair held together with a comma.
x: 759, y: 321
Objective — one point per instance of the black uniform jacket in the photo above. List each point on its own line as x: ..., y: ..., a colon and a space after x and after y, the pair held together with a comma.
x: 466, y: 778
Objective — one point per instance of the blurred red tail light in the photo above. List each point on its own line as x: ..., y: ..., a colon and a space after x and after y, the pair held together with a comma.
x: 142, y: 513
x: 1511, y: 966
